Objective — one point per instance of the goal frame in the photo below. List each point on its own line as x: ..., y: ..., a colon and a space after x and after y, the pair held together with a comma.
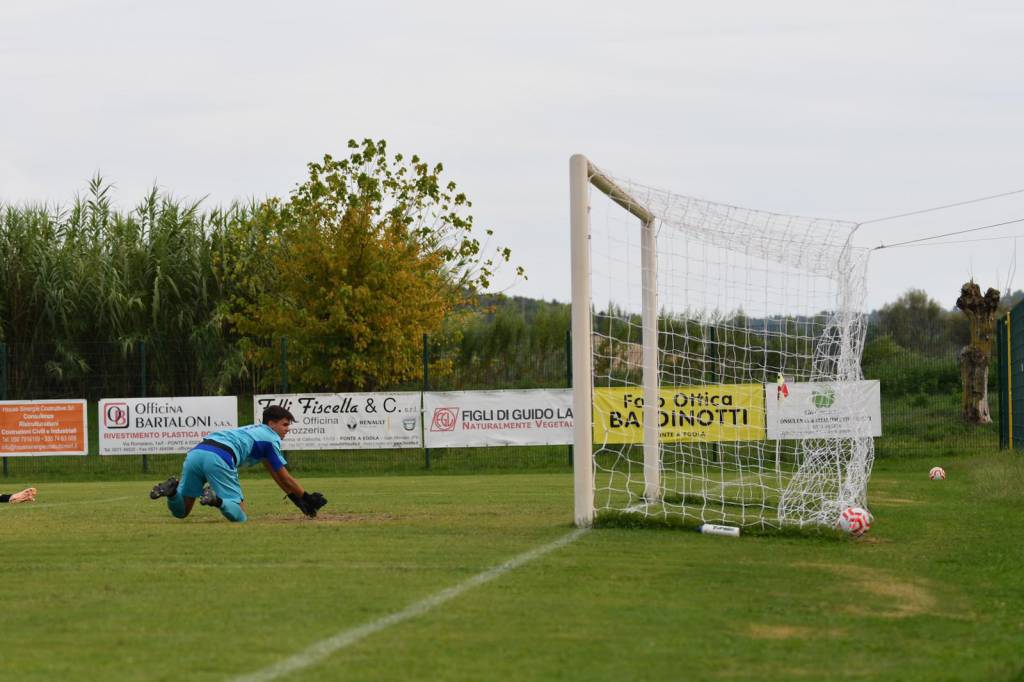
x: 583, y: 175
x: 831, y: 466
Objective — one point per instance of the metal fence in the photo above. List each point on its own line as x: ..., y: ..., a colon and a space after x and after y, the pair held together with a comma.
x: 921, y: 406
x: 32, y: 372
x: 1010, y: 354
x: 920, y: 403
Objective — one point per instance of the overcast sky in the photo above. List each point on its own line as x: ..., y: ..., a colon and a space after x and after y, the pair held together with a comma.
x: 842, y: 110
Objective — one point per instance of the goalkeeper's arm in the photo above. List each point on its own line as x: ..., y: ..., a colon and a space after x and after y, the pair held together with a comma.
x: 307, y: 503
x: 285, y: 481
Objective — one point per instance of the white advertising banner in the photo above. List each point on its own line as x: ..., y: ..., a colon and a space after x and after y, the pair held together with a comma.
x: 348, y: 421
x: 483, y: 418
x: 848, y: 409
x: 150, y: 426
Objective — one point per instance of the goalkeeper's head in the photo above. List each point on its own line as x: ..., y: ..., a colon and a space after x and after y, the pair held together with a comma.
x: 276, y: 413
x: 278, y: 419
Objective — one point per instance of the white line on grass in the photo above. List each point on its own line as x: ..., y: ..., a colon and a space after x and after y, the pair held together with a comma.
x: 325, y: 647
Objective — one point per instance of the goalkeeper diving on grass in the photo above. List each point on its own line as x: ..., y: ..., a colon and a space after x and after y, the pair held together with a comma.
x: 215, y: 461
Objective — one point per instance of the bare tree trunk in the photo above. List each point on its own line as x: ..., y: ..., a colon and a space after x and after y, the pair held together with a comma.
x: 981, y: 314
x: 974, y: 378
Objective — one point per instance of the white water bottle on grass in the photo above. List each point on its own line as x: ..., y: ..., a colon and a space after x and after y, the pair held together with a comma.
x: 715, y: 529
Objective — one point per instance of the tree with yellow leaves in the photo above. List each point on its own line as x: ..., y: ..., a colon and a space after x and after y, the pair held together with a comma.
x: 369, y: 254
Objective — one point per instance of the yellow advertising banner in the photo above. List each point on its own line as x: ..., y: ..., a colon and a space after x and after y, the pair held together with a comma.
x: 728, y: 412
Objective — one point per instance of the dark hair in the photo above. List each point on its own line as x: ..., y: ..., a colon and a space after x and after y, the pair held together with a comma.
x: 275, y: 413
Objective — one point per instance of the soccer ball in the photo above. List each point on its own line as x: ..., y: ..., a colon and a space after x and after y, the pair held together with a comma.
x: 937, y: 474
x: 855, y: 521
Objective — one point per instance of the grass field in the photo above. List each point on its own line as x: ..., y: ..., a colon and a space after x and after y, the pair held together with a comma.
x: 97, y: 582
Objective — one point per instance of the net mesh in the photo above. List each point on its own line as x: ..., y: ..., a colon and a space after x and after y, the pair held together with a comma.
x: 743, y: 296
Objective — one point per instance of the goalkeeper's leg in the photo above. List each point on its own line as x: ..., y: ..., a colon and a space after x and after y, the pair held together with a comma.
x: 228, y: 491
x: 176, y: 505
x: 189, y: 487
x: 233, y: 511
x: 193, y: 478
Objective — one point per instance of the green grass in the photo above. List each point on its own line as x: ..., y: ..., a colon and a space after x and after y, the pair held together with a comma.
x: 98, y: 582
x: 549, y: 458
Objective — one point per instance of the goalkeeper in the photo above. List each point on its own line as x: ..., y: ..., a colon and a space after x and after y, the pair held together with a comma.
x: 26, y: 495
x: 216, y: 460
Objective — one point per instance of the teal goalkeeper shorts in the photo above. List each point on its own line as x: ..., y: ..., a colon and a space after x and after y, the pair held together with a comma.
x: 203, y: 466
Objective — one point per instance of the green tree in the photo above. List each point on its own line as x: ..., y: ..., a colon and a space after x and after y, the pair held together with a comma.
x: 369, y: 254
x: 918, y: 323
x: 82, y: 287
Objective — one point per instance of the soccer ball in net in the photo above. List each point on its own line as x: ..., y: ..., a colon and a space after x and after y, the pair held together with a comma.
x: 937, y: 474
x: 855, y: 521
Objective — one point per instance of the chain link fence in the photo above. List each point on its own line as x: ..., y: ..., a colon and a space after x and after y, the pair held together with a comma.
x: 920, y: 402
x: 98, y: 370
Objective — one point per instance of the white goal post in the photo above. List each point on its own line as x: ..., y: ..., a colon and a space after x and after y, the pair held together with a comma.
x: 732, y: 308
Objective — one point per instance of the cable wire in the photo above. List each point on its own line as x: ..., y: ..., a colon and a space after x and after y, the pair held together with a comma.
x: 943, y: 207
x: 955, y: 241
x: 949, y: 234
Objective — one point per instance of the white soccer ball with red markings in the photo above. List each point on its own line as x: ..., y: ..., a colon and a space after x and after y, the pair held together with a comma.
x: 937, y: 474
x: 855, y: 521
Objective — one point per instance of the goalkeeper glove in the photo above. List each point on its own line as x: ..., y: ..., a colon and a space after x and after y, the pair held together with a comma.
x: 29, y: 495
x: 308, y: 503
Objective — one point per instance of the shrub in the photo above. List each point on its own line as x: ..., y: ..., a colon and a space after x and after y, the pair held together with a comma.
x: 904, y: 372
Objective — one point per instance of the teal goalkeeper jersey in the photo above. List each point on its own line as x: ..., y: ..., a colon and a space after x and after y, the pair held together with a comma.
x: 253, y: 444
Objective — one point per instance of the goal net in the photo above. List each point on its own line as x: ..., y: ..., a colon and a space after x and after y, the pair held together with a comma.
x: 692, y: 321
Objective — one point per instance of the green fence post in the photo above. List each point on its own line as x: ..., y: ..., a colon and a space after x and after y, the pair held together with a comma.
x: 3, y: 383
x: 1011, y: 374
x: 142, y: 392
x: 3, y: 371
x: 1003, y: 365
x: 426, y: 387
x: 284, y: 365
x: 568, y: 376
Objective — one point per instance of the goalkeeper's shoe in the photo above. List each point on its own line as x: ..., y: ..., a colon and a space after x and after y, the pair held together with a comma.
x: 166, y: 489
x: 209, y: 498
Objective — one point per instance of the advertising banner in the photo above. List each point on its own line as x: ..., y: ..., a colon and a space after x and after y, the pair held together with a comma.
x: 485, y: 418
x: 348, y: 421
x: 850, y: 409
x: 728, y: 412
x: 43, y: 427
x: 152, y: 426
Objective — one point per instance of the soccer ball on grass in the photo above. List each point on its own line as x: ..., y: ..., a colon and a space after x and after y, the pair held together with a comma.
x: 855, y: 520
